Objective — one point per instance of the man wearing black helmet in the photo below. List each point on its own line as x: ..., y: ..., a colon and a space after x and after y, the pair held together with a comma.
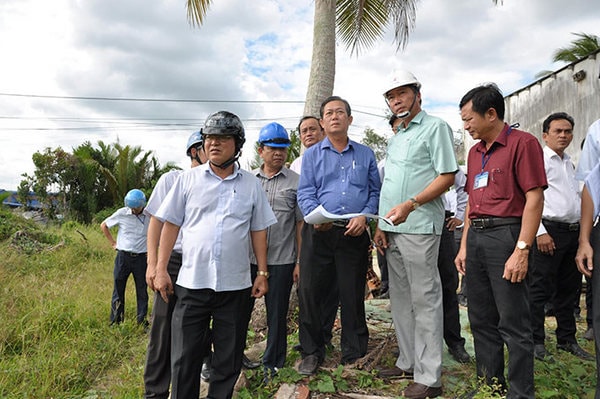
x: 220, y: 209
x: 157, y: 373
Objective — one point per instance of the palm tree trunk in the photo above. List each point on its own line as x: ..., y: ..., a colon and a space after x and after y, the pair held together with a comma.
x: 322, y: 67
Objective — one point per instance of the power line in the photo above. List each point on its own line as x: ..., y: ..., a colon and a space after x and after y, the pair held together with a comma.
x: 172, y: 100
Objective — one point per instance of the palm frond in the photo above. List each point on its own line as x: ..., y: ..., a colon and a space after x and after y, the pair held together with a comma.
x: 196, y: 11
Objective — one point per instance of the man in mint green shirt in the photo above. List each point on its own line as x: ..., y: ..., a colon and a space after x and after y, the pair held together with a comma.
x: 420, y: 167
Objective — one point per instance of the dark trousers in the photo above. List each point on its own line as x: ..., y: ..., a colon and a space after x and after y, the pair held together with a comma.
x: 126, y: 264
x: 192, y: 316
x: 555, y: 276
x: 595, y: 241
x: 449, y: 278
x: 499, y: 311
x: 327, y: 256
x: 157, y: 372
x: 277, y: 302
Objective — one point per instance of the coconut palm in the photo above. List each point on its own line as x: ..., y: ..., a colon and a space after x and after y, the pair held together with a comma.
x: 584, y: 45
x: 359, y: 23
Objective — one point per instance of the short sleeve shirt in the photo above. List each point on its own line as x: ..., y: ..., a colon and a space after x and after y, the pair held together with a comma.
x: 416, y: 155
x: 512, y: 166
x: 216, y: 217
x: 281, y: 190
x: 131, y: 236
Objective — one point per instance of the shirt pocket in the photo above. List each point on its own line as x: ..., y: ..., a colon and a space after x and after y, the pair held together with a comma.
x: 285, y: 200
x: 359, y: 176
x: 499, y: 188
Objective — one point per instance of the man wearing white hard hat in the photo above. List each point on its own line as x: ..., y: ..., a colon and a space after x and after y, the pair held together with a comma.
x: 420, y: 167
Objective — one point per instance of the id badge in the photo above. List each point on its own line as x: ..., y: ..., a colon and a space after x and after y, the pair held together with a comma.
x: 481, y: 180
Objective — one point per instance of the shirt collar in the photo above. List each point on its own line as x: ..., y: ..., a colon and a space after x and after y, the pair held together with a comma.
x: 260, y: 172
x: 325, y: 143
x: 500, y: 140
x: 551, y: 153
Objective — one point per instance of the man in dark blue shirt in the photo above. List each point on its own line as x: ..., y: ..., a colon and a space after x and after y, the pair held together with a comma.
x: 341, y: 175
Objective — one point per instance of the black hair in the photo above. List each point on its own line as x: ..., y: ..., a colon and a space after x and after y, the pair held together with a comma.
x: 557, y: 116
x: 308, y: 117
x: 335, y: 98
x: 393, y: 119
x: 483, y: 98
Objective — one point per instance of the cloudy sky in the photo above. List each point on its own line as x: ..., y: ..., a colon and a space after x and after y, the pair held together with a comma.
x: 74, y: 70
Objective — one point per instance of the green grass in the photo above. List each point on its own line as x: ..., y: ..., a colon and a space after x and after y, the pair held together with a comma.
x: 56, y: 342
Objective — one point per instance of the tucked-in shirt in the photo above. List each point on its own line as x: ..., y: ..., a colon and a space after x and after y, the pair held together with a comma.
x: 416, y: 155
x: 131, y: 236
x: 163, y: 185
x: 296, y: 165
x: 590, y: 154
x: 216, y: 216
x: 455, y: 199
x: 346, y: 182
x: 281, y: 190
x: 514, y: 164
x: 562, y: 198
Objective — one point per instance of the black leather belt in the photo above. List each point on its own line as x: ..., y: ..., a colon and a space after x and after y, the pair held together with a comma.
x: 562, y: 225
x: 488, y: 223
x: 449, y: 214
x: 341, y: 223
x: 133, y: 254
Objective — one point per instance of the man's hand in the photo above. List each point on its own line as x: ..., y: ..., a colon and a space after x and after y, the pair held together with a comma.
x: 380, y: 240
x: 296, y: 273
x: 323, y: 226
x: 260, y: 287
x: 545, y: 244
x: 453, y: 223
x: 400, y: 212
x: 461, y: 261
x: 356, y: 226
x: 515, y: 268
x: 150, y: 274
x: 585, y: 258
x: 163, y: 284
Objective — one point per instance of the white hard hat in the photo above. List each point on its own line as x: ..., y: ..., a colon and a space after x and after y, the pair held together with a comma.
x: 400, y: 78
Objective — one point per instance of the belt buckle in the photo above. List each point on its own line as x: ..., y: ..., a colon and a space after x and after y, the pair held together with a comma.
x: 340, y: 223
x: 478, y: 223
x: 573, y: 226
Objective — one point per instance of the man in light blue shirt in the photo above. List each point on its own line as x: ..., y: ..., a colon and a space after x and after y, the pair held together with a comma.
x: 341, y: 175
x: 419, y: 168
x: 220, y: 209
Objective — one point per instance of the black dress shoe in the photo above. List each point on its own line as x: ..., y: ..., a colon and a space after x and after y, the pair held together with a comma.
x: 249, y: 364
x: 539, y: 352
x: 309, y: 365
x: 460, y: 354
x: 574, y: 349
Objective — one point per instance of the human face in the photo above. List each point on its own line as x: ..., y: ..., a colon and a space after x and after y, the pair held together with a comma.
x: 310, y: 132
x: 274, y: 157
x: 559, y: 135
x: 402, y: 99
x: 335, y: 118
x: 219, y: 148
x: 477, y: 125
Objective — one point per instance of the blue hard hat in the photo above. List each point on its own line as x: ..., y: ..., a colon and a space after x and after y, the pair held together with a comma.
x: 274, y: 135
x: 195, y: 140
x: 135, y: 199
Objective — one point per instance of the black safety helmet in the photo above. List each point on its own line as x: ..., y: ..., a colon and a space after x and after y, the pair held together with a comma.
x: 225, y: 123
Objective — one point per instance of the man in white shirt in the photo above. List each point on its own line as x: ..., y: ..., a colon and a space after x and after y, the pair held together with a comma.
x: 131, y: 255
x: 220, y: 210
x: 553, y: 269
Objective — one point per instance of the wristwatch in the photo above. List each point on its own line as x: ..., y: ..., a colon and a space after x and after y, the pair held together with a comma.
x: 523, y: 246
x: 415, y: 203
x: 261, y: 273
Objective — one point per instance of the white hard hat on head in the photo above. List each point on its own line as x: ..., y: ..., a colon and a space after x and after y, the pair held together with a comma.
x: 401, y: 78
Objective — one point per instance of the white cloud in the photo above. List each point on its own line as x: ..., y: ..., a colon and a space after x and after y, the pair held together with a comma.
x: 248, y: 51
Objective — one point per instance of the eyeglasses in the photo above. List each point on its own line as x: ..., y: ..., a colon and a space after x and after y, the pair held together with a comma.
x: 217, y: 138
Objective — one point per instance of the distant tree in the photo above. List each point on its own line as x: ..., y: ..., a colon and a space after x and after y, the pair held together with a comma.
x: 80, y: 184
x: 376, y: 142
x: 584, y: 45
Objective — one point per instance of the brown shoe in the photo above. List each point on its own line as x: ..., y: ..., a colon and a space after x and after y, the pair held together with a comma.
x: 420, y: 391
x: 395, y: 373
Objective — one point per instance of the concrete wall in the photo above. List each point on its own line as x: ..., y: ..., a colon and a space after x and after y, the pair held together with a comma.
x: 559, y: 91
